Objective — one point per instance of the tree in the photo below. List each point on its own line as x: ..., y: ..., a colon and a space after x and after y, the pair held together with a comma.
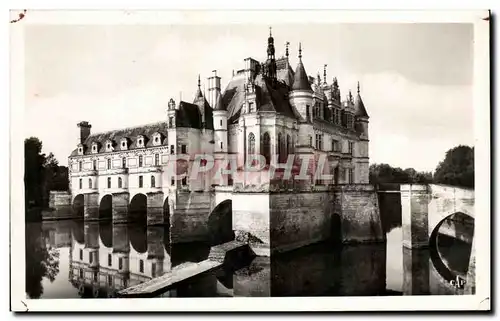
x: 384, y: 173
x: 457, y: 168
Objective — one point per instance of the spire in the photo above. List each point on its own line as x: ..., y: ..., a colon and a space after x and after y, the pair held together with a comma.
x: 199, y: 81
x: 286, y: 50
x: 359, y: 106
x: 198, y: 94
x: 324, y: 73
x: 300, y: 80
x: 270, y: 32
x: 218, y: 103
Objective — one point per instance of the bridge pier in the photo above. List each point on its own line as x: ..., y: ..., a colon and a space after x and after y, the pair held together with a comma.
x: 155, y: 208
x: 91, y: 206
x: 414, y: 215
x: 120, y: 204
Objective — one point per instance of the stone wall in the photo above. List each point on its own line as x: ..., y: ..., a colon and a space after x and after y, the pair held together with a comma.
x: 59, y: 206
x: 360, y: 214
x: 189, y: 218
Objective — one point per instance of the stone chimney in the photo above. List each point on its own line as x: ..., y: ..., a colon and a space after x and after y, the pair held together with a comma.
x: 84, y: 131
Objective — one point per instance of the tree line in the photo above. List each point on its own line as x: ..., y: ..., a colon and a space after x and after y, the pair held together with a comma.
x: 42, y: 174
x: 457, y: 168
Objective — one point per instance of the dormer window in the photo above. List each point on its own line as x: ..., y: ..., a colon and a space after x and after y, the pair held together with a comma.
x: 109, y: 146
x: 140, y: 141
x: 124, y: 144
x: 80, y: 149
x: 157, y: 137
x: 95, y: 148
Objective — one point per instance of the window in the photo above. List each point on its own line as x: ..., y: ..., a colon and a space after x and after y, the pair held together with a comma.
x: 266, y: 147
x: 81, y: 273
x: 310, y: 141
x: 351, y: 147
x: 81, y: 255
x: 95, y: 276
x: 221, y: 145
x: 251, y: 144
x: 109, y: 146
x: 109, y: 259
x: 153, y: 270
x: 120, y: 263
x: 94, y: 164
x: 109, y: 182
x: 94, y: 148
x: 123, y: 144
x: 140, y: 181
x: 351, y: 176
x: 153, y: 181
x: 110, y: 280
x: 251, y: 107
x: 170, y: 121
x: 91, y: 258
x: 157, y: 139
x: 124, y: 162
x: 221, y: 123
x: 157, y: 159
x: 139, y: 142
x: 288, y: 145
x: 120, y: 182
x: 172, y: 181
x: 172, y: 150
x: 109, y: 163
x: 335, y: 146
x: 308, y: 113
x: 80, y: 167
x: 140, y: 160
x: 90, y: 183
x: 183, y: 149
x: 80, y: 150
x: 184, y: 181
x: 141, y: 266
x: 80, y: 183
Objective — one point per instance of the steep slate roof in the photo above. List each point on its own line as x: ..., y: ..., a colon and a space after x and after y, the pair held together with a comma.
x: 301, y: 81
x: 130, y: 133
x: 188, y: 116
x: 284, y: 71
x: 268, y: 98
x: 359, y: 106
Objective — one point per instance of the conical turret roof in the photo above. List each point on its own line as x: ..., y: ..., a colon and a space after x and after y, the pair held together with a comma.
x: 359, y: 106
x: 300, y: 80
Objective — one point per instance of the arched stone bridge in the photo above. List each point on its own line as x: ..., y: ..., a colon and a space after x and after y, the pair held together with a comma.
x: 425, y: 207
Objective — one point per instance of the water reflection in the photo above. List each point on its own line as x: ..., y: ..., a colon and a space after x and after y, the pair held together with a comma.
x: 71, y: 259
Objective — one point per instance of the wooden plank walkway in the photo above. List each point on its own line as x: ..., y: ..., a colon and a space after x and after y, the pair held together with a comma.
x: 183, y: 272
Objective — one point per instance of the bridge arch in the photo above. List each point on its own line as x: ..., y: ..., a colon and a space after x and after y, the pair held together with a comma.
x: 138, y: 238
x: 220, y: 223
x: 106, y: 234
x: 138, y: 207
x: 78, y: 205
x: 106, y: 207
x: 450, y: 269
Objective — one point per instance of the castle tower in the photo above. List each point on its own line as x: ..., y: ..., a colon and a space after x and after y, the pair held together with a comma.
x: 213, y: 89
x: 271, y: 60
x: 301, y: 98
x: 220, y: 137
x: 361, y: 125
x: 84, y: 131
x: 171, y: 113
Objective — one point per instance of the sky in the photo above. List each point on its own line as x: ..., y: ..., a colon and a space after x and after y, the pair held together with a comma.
x: 416, y: 79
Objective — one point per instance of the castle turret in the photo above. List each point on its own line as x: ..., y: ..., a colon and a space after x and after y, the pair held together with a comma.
x: 199, y: 100
x: 171, y: 113
x: 220, y: 137
x: 361, y: 116
x: 362, y: 148
x: 301, y: 94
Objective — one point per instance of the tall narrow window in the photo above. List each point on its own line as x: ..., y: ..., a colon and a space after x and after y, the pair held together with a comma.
x: 183, y: 149
x: 221, y: 123
x: 266, y: 147
x: 90, y: 183
x: 251, y: 144
x: 140, y: 160
x: 110, y: 280
x: 288, y: 145
x: 310, y: 140
x: 172, y: 149
x: 109, y: 259
x: 120, y: 182
x: 109, y: 163
x: 81, y: 273
x: 184, y: 181
x: 94, y: 164
x: 141, y: 266
x: 91, y: 257
x: 109, y: 182
x: 80, y: 167
x: 172, y: 181
x: 351, y: 176
x: 279, y: 148
x: 308, y: 113
x: 95, y: 276
x: 153, y: 181
x: 80, y: 183
x: 221, y: 145
x: 351, y: 147
x: 153, y: 270
x: 157, y: 159
x: 170, y: 122
x: 140, y: 181
x: 120, y: 263
x: 81, y: 255
x: 124, y: 162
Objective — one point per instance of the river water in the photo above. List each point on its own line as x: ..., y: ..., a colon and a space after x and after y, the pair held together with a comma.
x: 73, y: 259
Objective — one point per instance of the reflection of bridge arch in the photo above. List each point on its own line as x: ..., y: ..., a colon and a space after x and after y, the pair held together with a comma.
x: 449, y: 273
x: 138, y: 239
x: 220, y: 223
x: 78, y: 232
x: 106, y: 234
x: 78, y: 205
x: 138, y: 207
x: 166, y: 216
x: 105, y: 207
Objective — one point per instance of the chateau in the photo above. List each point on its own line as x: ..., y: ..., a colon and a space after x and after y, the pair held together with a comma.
x: 268, y: 109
